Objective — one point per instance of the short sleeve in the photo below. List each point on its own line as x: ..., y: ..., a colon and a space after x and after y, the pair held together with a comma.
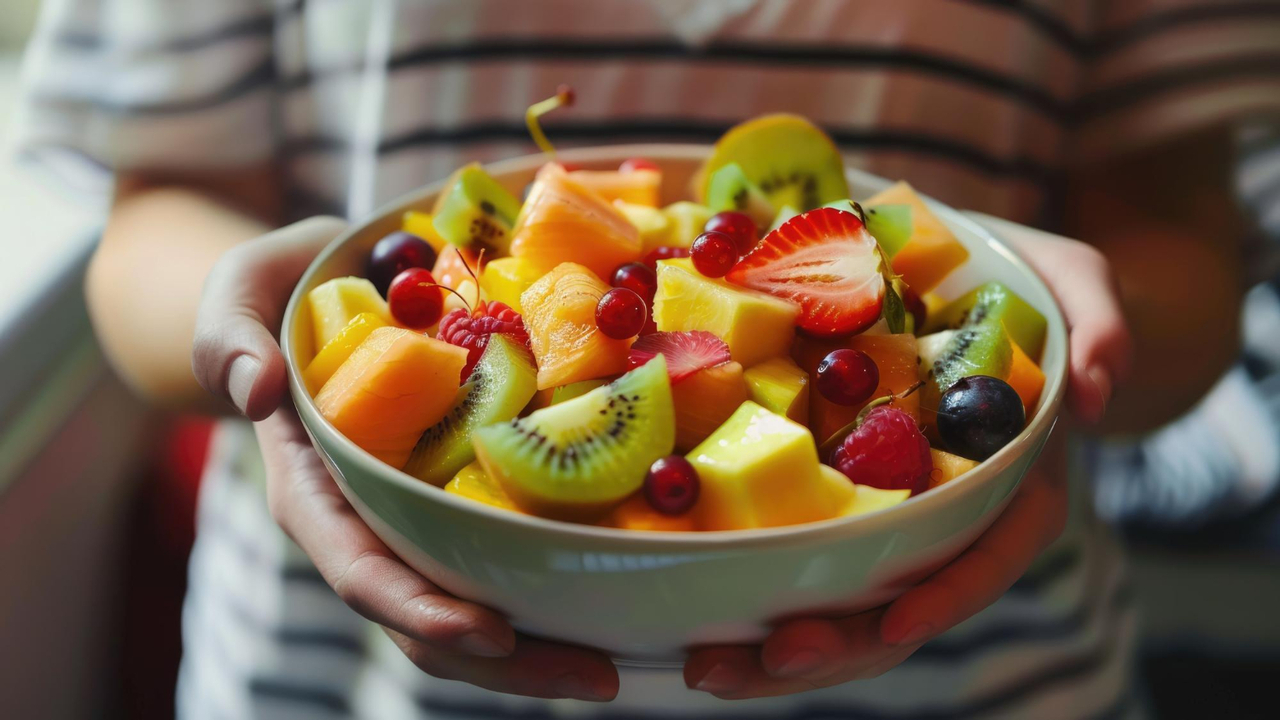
x: 1156, y: 69
x: 115, y: 85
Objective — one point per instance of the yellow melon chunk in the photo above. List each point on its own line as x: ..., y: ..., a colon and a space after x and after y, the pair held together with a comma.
x: 336, y: 352
x: 755, y: 325
x: 474, y: 483
x: 335, y: 302
x: 396, y: 384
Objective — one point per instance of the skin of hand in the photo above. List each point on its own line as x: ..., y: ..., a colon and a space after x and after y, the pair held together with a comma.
x: 237, y: 359
x: 809, y: 653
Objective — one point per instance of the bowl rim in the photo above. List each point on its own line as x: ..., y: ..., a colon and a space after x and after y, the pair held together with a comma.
x: 1040, y: 426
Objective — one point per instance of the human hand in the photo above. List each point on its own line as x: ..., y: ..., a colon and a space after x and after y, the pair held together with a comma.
x: 810, y: 653
x: 236, y: 358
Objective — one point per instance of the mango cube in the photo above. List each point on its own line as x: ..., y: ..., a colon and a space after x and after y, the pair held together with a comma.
x: 760, y: 469
x: 780, y: 386
x: 336, y: 302
x: 756, y: 326
x: 338, y: 349
x: 473, y: 482
x: 505, y: 278
x: 421, y: 224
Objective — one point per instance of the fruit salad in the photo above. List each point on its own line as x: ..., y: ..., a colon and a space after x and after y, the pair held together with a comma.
x: 766, y: 353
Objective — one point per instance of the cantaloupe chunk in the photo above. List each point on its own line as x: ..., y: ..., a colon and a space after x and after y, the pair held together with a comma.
x: 704, y: 400
x: 947, y: 467
x: 637, y: 514
x: 756, y: 326
x: 336, y: 352
x: 562, y: 221
x: 560, y: 315
x: 638, y: 187
x: 895, y: 358
x: 394, y: 386
x: 933, y: 251
x: 1026, y: 378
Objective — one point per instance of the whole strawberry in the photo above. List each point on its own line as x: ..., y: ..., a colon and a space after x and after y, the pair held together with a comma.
x: 471, y: 330
x: 886, y: 451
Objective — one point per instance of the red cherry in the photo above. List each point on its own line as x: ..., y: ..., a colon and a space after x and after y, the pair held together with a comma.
x: 396, y: 253
x: 847, y: 376
x: 737, y: 226
x: 637, y: 163
x: 914, y: 305
x: 415, y: 299
x: 671, y: 486
x: 621, y: 314
x: 714, y: 253
x: 637, y: 277
x: 664, y: 252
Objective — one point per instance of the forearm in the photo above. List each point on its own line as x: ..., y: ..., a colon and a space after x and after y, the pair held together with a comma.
x: 144, y: 281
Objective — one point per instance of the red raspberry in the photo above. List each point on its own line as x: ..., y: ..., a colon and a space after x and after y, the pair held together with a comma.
x: 472, y: 330
x: 887, y: 451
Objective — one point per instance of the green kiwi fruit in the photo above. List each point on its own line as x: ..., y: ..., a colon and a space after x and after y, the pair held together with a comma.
x: 731, y: 189
x: 788, y: 158
x: 982, y: 349
x: 573, y: 390
x: 474, y: 211
x: 502, y: 383
x: 994, y: 302
x: 582, y: 456
x: 891, y: 226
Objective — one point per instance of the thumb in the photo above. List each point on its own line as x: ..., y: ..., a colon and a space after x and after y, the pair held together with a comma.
x: 235, y: 355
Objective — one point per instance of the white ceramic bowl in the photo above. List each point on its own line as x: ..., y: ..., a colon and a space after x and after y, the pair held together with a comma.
x: 646, y: 596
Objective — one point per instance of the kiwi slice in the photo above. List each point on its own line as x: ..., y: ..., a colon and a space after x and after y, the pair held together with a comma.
x: 584, y: 455
x: 891, y: 226
x: 502, y: 383
x: 788, y: 158
x: 982, y: 349
x: 731, y: 189
x: 476, y: 212
x: 994, y: 303
x: 568, y: 392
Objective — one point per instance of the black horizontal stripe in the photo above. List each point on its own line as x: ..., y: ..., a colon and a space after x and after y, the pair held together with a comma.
x: 1117, y: 38
x: 1146, y: 88
x: 696, y: 130
x: 1048, y: 24
x: 313, y: 696
x: 255, y: 25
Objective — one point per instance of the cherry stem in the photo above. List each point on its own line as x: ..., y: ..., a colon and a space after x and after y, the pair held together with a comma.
x: 449, y: 289
x: 563, y: 98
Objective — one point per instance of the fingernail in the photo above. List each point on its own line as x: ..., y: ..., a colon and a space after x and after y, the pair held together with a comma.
x: 802, y: 663
x: 917, y: 634
x: 1102, y: 380
x: 573, y: 686
x: 481, y: 645
x: 720, y: 679
x: 240, y: 378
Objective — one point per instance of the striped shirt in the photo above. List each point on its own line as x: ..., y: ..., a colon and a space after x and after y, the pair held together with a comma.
x: 979, y: 102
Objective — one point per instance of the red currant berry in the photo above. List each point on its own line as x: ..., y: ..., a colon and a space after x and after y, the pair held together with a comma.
x: 637, y: 163
x: 415, y: 299
x: 887, y: 451
x: 396, y: 253
x: 637, y: 277
x: 737, y: 226
x: 621, y: 314
x: 714, y: 253
x: 847, y: 376
x: 664, y: 252
x: 671, y: 486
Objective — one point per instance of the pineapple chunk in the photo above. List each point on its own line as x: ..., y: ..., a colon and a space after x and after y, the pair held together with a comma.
x: 859, y: 499
x: 654, y: 225
x: 503, y: 280
x: 761, y: 470
x: 756, y: 326
x: 336, y: 352
x: 781, y: 387
x: 336, y: 302
x: 687, y: 220
x: 420, y: 224
x: 473, y: 482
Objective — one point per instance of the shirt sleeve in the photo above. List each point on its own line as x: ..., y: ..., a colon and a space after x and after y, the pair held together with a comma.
x: 1155, y: 69
x: 115, y: 85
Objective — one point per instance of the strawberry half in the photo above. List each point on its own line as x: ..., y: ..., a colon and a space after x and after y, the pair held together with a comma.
x: 687, y: 352
x: 827, y: 262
